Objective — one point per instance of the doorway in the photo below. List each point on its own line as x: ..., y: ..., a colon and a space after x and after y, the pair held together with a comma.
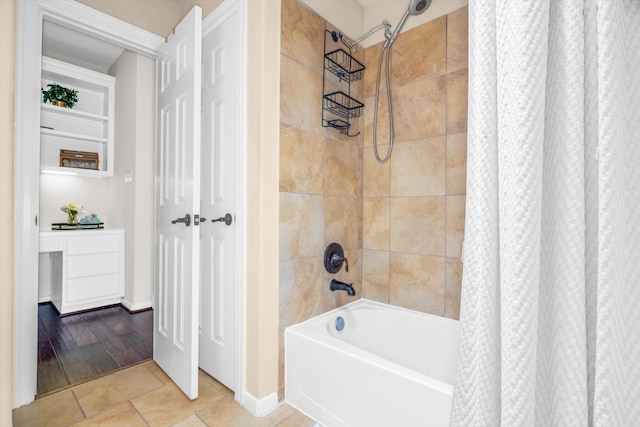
x: 84, y: 345
x: 76, y: 16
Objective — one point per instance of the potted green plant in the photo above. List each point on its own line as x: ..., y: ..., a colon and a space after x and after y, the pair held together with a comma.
x: 59, y: 95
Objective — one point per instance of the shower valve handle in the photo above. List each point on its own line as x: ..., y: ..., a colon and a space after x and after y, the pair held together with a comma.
x: 337, y: 260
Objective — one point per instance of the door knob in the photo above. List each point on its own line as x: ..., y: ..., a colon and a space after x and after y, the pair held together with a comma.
x: 227, y: 219
x: 186, y: 220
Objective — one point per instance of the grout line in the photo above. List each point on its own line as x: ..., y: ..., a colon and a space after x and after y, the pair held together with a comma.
x: 79, y: 405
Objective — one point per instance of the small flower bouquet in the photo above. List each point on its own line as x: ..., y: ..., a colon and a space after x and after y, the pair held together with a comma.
x: 72, y: 212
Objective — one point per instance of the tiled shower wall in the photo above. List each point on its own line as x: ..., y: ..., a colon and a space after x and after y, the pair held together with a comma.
x: 413, y: 208
x: 320, y: 178
x: 400, y: 223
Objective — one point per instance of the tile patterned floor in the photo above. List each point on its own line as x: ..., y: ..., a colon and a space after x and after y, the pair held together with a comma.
x: 143, y: 395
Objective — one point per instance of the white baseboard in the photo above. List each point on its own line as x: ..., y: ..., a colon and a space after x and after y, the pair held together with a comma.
x: 260, y: 407
x: 135, y: 307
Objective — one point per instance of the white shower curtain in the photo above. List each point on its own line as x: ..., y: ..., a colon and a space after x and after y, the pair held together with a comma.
x: 550, y: 311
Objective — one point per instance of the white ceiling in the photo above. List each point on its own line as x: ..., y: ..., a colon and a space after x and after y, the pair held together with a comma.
x: 77, y: 48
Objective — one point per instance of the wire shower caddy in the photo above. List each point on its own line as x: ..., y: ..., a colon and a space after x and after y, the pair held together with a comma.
x: 338, y: 106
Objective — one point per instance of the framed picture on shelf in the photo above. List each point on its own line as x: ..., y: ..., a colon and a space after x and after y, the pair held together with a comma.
x: 79, y: 159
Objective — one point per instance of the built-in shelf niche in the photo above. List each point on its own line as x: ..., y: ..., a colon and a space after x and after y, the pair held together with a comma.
x: 88, y: 126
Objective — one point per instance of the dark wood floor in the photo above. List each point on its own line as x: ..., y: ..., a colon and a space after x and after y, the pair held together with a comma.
x: 80, y: 347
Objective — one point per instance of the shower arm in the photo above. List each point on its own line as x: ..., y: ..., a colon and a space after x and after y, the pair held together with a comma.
x: 352, y: 44
x: 392, y: 37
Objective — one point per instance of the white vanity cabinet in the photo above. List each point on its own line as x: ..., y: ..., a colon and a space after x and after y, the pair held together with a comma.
x: 87, y: 267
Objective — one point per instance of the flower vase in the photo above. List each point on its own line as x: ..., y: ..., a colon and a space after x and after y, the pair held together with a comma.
x: 72, y: 218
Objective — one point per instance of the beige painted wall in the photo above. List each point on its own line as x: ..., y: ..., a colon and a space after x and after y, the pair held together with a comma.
x: 166, y: 13
x: 7, y: 209
x: 263, y: 93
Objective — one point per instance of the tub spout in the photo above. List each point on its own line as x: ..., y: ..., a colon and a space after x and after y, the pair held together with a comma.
x: 337, y: 285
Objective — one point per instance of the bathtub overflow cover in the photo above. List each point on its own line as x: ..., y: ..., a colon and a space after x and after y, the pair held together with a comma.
x: 339, y: 323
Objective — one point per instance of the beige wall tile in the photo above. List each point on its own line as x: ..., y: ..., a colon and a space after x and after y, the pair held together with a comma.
x: 301, y: 225
x: 376, y: 223
x: 418, y: 168
x: 375, y: 275
x: 400, y: 205
x: 457, y: 163
x: 300, y: 95
x: 302, y: 32
x: 455, y: 225
x: 419, y: 109
x: 417, y: 282
x: 457, y: 88
x: 372, y: 56
x: 301, y: 161
x: 333, y: 299
x: 418, y: 225
x: 382, y: 129
x: 300, y: 290
x: 341, y: 218
x: 355, y: 135
x: 420, y: 52
x: 453, y: 285
x: 457, y: 39
x: 375, y: 175
x: 342, y: 172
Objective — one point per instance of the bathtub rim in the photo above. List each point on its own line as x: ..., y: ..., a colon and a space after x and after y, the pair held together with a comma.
x: 346, y: 348
x: 373, y: 304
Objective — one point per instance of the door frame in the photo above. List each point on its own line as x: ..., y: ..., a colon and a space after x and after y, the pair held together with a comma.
x: 29, y: 52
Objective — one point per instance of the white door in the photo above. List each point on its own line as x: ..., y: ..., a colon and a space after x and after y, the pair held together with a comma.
x: 219, y: 281
x: 175, y: 334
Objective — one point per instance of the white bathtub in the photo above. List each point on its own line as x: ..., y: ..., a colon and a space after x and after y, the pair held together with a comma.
x: 388, y: 367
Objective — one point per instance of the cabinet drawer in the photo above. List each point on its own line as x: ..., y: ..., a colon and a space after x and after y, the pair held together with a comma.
x: 93, y: 245
x: 93, y: 265
x: 92, y: 289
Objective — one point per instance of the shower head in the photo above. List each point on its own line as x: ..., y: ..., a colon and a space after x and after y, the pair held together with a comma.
x: 416, y: 7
